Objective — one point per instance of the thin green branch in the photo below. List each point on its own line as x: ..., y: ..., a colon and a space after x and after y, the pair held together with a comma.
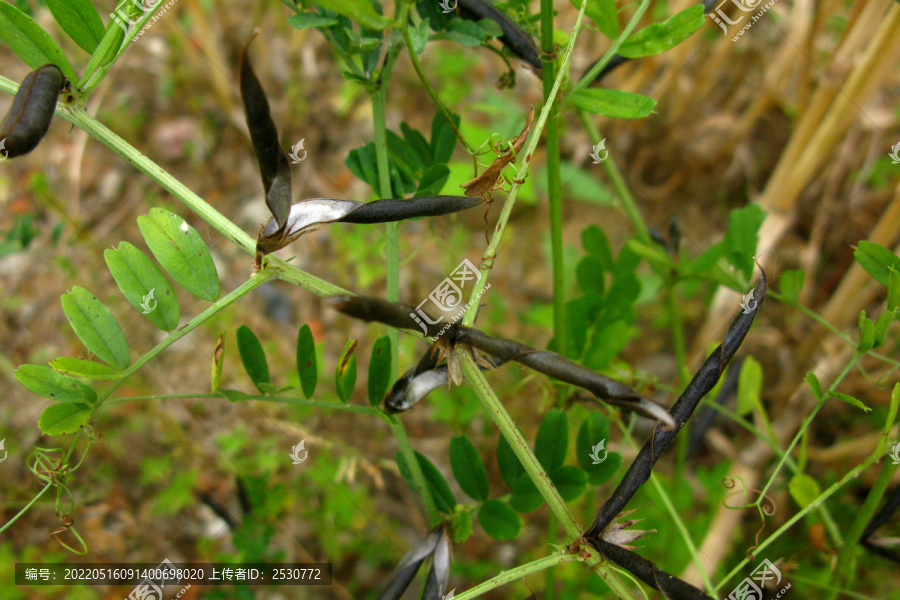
x: 527, y: 155
x: 515, y: 574
x: 417, y: 66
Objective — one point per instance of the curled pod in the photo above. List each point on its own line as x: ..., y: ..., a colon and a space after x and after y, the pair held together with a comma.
x: 32, y: 110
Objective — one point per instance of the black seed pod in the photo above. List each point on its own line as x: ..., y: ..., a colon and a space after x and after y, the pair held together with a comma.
x: 32, y: 109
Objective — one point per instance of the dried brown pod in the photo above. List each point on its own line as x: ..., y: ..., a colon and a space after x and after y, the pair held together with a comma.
x: 31, y: 112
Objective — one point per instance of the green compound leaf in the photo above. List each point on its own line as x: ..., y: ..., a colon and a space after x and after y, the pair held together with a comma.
x: 59, y: 419
x: 253, y: 356
x: 306, y: 360
x: 143, y: 285
x: 379, y: 370
x: 181, y: 251
x: 96, y: 327
x: 46, y: 382
x: 499, y: 520
x: 468, y: 468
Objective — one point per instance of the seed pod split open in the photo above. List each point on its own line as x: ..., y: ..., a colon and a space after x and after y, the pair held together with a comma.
x: 420, y: 380
x: 307, y: 215
x: 31, y: 112
x: 410, y: 563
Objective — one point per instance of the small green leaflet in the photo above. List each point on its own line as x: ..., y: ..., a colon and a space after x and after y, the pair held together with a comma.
x: 750, y: 381
x: 84, y: 368
x: 570, y: 481
x: 30, y: 42
x: 440, y: 489
x: 849, y: 400
x: 80, y: 20
x: 791, y: 284
x: 468, y: 468
x: 46, y: 382
x: 552, y: 440
x: 253, y: 356
x: 96, y: 327
x: 379, y: 370
x: 804, y: 489
x: 877, y: 260
x: 659, y: 37
x: 307, y: 20
x: 360, y: 11
x: 143, y: 285
x: 525, y: 495
x: 510, y: 467
x: 499, y: 520
x: 345, y: 374
x: 617, y: 104
x: 181, y: 251
x: 306, y: 360
x: 59, y: 419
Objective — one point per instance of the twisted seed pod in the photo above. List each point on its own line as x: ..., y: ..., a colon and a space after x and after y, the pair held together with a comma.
x: 700, y: 385
x: 32, y: 110
x: 555, y: 365
x: 559, y: 367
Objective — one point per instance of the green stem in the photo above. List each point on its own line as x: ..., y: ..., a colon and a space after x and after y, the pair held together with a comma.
x: 417, y: 66
x: 338, y: 406
x: 519, y: 572
x: 536, y: 472
x: 26, y: 507
x: 527, y: 155
x: 379, y: 97
x: 554, y: 195
x: 629, y: 205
